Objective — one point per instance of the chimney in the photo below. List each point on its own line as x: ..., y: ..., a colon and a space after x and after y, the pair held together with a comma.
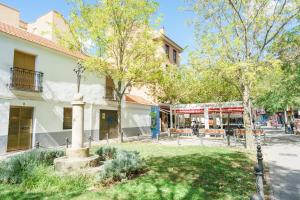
x: 162, y: 30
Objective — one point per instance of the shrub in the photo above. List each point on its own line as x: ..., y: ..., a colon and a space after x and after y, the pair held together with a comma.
x: 107, y: 153
x: 126, y: 165
x: 44, y: 178
x: 19, y: 167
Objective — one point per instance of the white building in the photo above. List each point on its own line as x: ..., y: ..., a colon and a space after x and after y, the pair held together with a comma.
x: 37, y: 84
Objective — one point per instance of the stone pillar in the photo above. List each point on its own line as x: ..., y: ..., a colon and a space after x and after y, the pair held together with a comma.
x: 77, y: 149
x: 206, y: 118
x: 77, y: 121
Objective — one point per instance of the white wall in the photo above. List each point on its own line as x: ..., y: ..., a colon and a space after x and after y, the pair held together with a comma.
x: 59, y: 80
x: 48, y: 116
x: 136, y: 115
x: 59, y: 87
x: 4, y: 117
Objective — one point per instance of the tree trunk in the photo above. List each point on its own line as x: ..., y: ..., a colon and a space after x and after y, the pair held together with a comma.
x: 247, y: 118
x: 120, y: 132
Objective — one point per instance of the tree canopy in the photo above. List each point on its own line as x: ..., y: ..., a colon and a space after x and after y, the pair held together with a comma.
x: 235, y: 37
x: 119, y: 39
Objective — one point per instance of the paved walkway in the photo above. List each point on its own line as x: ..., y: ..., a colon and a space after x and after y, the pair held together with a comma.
x: 283, y: 155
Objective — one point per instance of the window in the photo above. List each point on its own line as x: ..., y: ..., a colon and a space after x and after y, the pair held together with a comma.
x: 24, y: 60
x: 175, y: 56
x: 23, y: 71
x: 67, y: 123
x: 109, y: 88
x: 167, y: 49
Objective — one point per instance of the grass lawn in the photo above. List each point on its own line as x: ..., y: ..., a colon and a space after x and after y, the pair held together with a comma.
x: 186, y: 172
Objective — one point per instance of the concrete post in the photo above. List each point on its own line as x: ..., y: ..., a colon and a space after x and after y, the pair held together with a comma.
x: 77, y: 121
x: 256, y: 197
x: 221, y: 119
x: 77, y: 149
x: 259, y: 181
x: 260, y: 157
x: 206, y: 118
x: 171, y: 117
x: 175, y: 116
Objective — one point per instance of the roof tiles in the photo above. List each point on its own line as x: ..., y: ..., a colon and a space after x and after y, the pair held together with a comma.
x: 30, y: 37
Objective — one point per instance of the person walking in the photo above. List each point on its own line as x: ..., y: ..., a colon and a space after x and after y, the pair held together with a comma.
x: 292, y: 125
x: 195, y: 128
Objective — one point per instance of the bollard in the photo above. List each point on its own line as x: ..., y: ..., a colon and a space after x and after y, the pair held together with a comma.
x: 90, y: 141
x: 228, y: 140
x: 260, y: 158
x: 37, y: 144
x: 107, y: 143
x: 259, y: 181
x: 256, y: 197
x: 178, y: 143
x: 201, y: 140
x: 67, y: 142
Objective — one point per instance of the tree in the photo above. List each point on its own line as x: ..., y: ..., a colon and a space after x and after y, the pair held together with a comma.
x: 238, y: 35
x: 285, y: 91
x: 117, y: 36
x: 212, y: 87
x: 173, y: 85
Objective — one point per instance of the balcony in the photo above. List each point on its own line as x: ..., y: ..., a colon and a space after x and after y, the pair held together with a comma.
x: 26, y: 80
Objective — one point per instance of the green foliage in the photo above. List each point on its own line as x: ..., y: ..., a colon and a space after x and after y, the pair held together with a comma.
x: 235, y: 39
x: 123, y: 44
x: 125, y: 165
x: 107, y: 152
x: 185, y: 172
x: 20, y: 167
x: 285, y: 89
x: 45, y: 183
x: 118, y: 37
x: 173, y: 85
x: 44, y: 178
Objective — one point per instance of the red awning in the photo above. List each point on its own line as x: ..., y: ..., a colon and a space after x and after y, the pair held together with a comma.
x: 210, y: 110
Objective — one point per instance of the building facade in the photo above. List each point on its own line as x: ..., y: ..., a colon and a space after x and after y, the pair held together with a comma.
x: 172, y: 51
x: 37, y: 84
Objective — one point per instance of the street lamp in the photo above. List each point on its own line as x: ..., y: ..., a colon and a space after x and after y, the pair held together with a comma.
x: 79, y: 69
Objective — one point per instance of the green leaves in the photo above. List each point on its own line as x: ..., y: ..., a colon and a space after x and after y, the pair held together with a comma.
x: 117, y: 36
x: 284, y: 90
x: 235, y: 41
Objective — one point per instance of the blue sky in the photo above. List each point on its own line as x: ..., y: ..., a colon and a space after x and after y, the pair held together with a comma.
x: 174, y: 20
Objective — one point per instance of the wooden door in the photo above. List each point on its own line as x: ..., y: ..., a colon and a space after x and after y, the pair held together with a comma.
x: 20, y: 128
x: 108, y: 124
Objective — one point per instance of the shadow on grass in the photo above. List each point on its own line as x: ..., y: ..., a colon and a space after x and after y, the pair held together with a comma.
x: 15, y: 192
x: 219, y: 174
x: 192, y: 176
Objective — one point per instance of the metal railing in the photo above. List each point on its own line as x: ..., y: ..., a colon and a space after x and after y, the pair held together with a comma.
x: 26, y: 80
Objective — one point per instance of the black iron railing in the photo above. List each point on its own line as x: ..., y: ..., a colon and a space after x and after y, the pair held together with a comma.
x: 27, y: 80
